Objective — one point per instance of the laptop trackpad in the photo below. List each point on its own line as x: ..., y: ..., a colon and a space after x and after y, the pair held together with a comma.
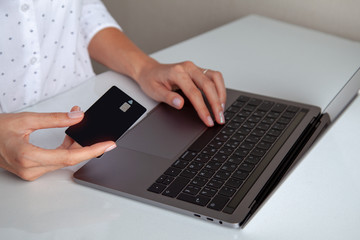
x: 165, y: 132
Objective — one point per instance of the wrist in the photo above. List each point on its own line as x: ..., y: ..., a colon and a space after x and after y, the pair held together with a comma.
x: 142, y: 68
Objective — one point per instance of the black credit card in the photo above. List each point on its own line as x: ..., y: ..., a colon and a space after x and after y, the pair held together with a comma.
x: 107, y: 119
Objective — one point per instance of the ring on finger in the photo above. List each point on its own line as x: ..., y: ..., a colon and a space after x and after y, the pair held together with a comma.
x: 205, y: 71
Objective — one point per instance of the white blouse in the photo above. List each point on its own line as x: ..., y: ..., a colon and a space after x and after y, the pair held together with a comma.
x: 43, y: 47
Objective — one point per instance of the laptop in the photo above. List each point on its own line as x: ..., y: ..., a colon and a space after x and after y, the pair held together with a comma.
x: 222, y: 174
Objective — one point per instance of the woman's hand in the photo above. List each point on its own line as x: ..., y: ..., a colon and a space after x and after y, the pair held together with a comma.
x: 112, y: 48
x: 159, y: 80
x: 29, y: 162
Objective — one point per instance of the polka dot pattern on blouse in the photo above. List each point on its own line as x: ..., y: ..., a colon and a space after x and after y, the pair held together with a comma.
x: 43, y: 47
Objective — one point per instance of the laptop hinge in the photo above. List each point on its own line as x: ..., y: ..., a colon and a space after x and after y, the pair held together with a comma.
x: 307, y: 138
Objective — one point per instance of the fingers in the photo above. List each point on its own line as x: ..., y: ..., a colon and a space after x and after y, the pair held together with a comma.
x: 32, y: 161
x: 192, y: 79
x: 36, y: 121
x: 218, y: 80
x: 212, y: 92
x: 72, y: 156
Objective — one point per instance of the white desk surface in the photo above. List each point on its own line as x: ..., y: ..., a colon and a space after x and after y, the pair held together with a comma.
x: 319, y: 199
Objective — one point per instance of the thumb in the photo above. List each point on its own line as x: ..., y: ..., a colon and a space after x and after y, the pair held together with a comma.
x: 53, y: 120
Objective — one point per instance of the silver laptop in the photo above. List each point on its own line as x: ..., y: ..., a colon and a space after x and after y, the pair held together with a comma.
x: 220, y: 174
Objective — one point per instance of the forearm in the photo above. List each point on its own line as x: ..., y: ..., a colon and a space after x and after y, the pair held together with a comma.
x: 115, y: 50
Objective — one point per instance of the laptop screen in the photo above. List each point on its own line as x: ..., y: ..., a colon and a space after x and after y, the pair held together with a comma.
x: 344, y: 96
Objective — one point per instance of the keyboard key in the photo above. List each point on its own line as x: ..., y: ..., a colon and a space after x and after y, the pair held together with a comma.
x: 284, y: 120
x: 188, y: 155
x: 247, y: 145
x: 228, y: 115
x: 204, y: 158
x: 232, y: 126
x: 274, y: 132
x: 249, y: 125
x: 258, y: 152
x: 252, y: 139
x: 233, y: 182
x: 238, y: 137
x: 258, y: 132
x: 254, y: 119
x: 208, y: 192
x: 176, y: 187
x: 279, y: 107
x: 238, y: 104
x: 223, y: 175
x: 198, y: 200
x: 216, y: 144
x: 172, y: 171
x: 205, y: 173
x: 222, y: 137
x: 227, y: 191
x: 212, y: 165
x: 226, y: 151
x: 161, y: 178
x: 229, y: 167
x: 180, y: 164
x: 244, y: 131
x: 293, y: 109
x: 215, y: 183
x: 268, y: 120
x: 233, y: 109
x: 218, y: 202
x: 235, y: 160
x: 220, y: 158
x: 244, y: 113
x: 248, y: 167
x: 269, y: 139
x: 252, y: 159
x: 232, y: 144
x: 168, y: 180
x: 255, y: 102
x: 188, y: 173
x: 249, y: 108
x: 241, y: 153
x: 279, y: 126
x: 263, y: 126
x: 198, y: 181
x: 156, y: 188
x: 240, y: 174
x: 196, y: 165
x: 230, y: 129
x: 192, y: 190
x: 259, y: 113
x: 243, y: 98
x: 209, y: 151
x: 273, y: 114
x: 238, y: 119
x: 264, y: 145
x: 265, y: 106
x: 288, y: 114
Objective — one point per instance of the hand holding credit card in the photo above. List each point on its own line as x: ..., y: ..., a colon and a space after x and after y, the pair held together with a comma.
x: 107, y: 119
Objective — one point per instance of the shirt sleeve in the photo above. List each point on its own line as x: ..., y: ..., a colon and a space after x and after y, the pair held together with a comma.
x: 95, y: 17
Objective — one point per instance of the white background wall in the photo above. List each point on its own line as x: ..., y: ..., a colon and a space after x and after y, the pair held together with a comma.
x: 156, y: 24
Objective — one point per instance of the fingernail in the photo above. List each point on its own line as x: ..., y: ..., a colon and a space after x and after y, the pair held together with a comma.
x: 110, y: 148
x: 222, y: 119
x: 223, y: 106
x: 210, y: 121
x: 177, y: 102
x: 75, y: 114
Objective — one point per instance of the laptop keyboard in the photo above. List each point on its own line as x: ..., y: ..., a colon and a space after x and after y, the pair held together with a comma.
x: 219, y: 168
